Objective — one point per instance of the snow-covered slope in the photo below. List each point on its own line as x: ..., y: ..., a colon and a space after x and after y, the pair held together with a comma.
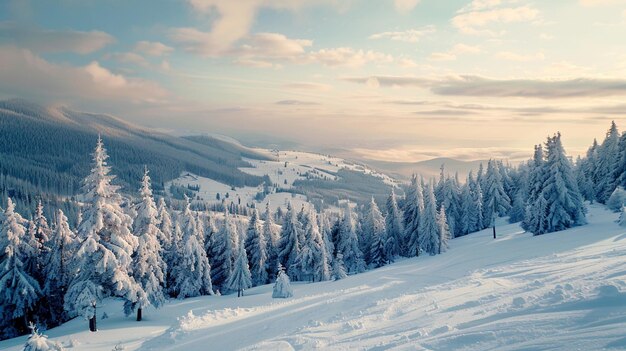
x: 560, y: 291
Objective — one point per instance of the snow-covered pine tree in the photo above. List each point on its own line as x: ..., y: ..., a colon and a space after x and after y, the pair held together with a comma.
x: 565, y: 208
x: 348, y: 244
x: 148, y: 266
x: 289, y: 245
x: 429, y: 230
x: 444, y: 230
x: 104, y: 256
x: 57, y: 270
x: 393, y: 228
x: 338, y: 268
x: 224, y: 252
x: 282, y: 287
x: 42, y: 232
x: 414, y: 205
x: 173, y: 256
x: 607, y: 164
x: 536, y: 182
x: 326, y: 234
x: 469, y: 216
x: 256, y: 248
x: 192, y: 273
x: 33, y: 251
x: 477, y: 195
x: 374, y: 229
x: 269, y: 235
x: 450, y: 198
x: 164, y: 219
x: 496, y: 202
x: 20, y: 291
x: 240, y: 278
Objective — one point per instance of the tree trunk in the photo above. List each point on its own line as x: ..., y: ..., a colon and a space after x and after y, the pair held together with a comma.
x: 139, y: 314
x: 494, y: 231
x: 92, y: 324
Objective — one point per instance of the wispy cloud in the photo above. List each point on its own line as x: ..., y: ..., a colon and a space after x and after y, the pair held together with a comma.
x: 48, y: 40
x: 481, y: 86
x: 153, y: 48
x: 409, y: 36
x: 477, y: 19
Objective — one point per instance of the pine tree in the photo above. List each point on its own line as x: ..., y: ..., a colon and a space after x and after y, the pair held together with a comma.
x: 20, y: 291
x: 414, y: 206
x: 348, y: 244
x: 607, y: 165
x: 148, y: 265
x: 164, y: 219
x: 104, y: 256
x: 338, y: 268
x: 240, y: 278
x: 496, y: 202
x: 224, y: 251
x: 374, y: 229
x: 429, y: 230
x: 536, y: 182
x: 444, y: 230
x: 256, y: 247
x: 565, y: 207
x: 57, y: 269
x: 469, y: 208
x: 393, y: 228
x: 329, y: 247
x: 477, y: 195
x: 42, y: 232
x: 269, y: 235
x: 451, y: 201
x: 289, y: 245
x: 192, y: 272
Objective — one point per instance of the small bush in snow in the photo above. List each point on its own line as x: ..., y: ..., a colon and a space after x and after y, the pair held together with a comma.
x: 40, y: 342
x: 282, y: 287
x: 617, y: 199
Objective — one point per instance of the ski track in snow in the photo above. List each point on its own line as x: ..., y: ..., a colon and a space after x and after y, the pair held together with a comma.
x: 559, y: 291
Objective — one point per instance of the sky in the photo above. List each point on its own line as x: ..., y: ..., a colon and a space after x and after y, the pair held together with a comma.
x: 395, y: 80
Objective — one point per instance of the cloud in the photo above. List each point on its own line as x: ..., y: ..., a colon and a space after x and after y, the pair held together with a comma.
x: 348, y: 57
x: 465, y: 49
x: 256, y: 63
x: 405, y: 5
x: 231, y: 20
x: 308, y: 86
x: 442, y: 56
x: 592, y: 3
x: 476, y: 21
x: 46, y: 40
x: 409, y: 36
x: 414, y: 153
x: 129, y: 57
x: 271, y: 45
x: 511, y: 56
x: 153, y: 48
x: 296, y: 102
x: 23, y: 73
x: 487, y: 87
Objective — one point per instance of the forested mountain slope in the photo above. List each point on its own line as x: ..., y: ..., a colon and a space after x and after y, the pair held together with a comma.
x: 46, y: 151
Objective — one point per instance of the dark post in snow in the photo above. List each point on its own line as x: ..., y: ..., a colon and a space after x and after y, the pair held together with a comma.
x: 139, y: 314
x: 92, y: 320
x: 493, y: 222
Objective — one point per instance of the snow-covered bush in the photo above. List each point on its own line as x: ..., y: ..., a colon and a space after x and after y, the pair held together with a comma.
x: 40, y: 342
x: 617, y: 199
x: 282, y: 287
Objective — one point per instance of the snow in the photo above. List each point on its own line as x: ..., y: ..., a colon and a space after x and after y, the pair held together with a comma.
x: 559, y: 291
x: 300, y: 165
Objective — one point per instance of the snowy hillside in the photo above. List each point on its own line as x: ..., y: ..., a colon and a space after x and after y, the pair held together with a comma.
x: 559, y: 291
x: 284, y: 169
